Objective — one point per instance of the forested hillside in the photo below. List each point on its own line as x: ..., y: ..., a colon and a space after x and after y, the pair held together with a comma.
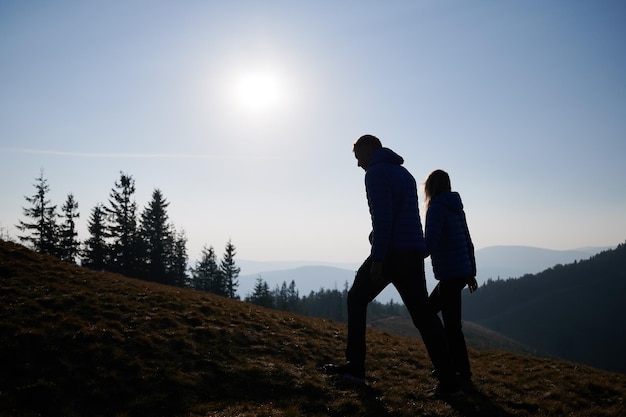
x: 570, y: 311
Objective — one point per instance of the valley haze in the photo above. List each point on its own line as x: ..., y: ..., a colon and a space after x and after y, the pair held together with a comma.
x: 494, y: 262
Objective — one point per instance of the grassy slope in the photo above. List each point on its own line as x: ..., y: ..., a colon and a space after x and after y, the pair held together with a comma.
x: 79, y: 343
x: 476, y: 336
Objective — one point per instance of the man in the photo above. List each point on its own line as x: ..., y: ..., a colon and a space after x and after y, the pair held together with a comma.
x: 397, y: 256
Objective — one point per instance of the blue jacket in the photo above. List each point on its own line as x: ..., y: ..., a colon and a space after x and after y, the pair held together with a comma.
x: 392, y: 199
x: 448, y: 239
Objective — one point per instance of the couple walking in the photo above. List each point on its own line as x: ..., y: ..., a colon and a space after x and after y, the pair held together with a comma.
x: 398, y: 249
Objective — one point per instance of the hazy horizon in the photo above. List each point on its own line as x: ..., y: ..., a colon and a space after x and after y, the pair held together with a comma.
x: 494, y: 262
x: 244, y: 113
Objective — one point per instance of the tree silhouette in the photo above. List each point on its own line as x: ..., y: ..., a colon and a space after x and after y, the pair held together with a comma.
x: 69, y: 245
x: 261, y: 294
x: 207, y: 276
x: 96, y: 250
x: 122, y: 215
x: 157, y: 239
x: 281, y: 300
x: 177, y: 260
x: 230, y: 270
x: 41, y: 233
x: 293, y: 298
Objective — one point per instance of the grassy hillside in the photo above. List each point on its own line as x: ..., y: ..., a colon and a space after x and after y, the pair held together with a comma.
x: 476, y: 336
x: 79, y: 343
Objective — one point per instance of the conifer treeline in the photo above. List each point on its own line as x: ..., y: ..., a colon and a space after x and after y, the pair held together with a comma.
x: 146, y: 245
x: 331, y: 304
x: 143, y: 245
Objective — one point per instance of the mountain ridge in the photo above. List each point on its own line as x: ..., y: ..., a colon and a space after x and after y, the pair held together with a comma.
x: 568, y: 311
x: 493, y: 262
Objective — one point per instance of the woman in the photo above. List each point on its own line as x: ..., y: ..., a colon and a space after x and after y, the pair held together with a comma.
x: 452, y: 254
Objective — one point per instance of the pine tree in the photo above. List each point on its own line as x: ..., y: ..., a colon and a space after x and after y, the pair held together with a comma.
x: 293, y: 298
x: 41, y: 234
x: 96, y: 249
x: 207, y: 276
x: 122, y: 215
x: 177, y: 261
x: 230, y: 270
x: 261, y: 294
x: 157, y: 238
x: 280, y: 297
x: 69, y: 246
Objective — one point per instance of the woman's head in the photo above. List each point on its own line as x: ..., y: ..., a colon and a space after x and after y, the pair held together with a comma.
x: 437, y: 182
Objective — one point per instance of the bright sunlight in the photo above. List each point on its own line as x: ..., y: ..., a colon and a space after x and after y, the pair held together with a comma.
x: 259, y: 91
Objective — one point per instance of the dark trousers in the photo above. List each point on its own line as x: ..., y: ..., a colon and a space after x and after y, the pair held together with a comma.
x: 446, y: 297
x: 405, y: 270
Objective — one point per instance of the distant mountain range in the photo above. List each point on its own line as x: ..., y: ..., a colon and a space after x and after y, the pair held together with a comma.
x: 570, y: 311
x: 493, y: 262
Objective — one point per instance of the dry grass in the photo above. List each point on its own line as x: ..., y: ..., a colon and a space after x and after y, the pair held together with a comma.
x: 79, y: 343
x: 476, y: 336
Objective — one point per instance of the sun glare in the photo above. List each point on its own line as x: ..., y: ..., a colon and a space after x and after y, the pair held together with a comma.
x: 259, y: 91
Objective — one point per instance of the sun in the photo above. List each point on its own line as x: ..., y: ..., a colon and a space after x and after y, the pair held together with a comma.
x: 259, y: 90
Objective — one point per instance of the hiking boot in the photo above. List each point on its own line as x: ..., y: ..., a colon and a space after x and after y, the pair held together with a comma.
x: 348, y: 371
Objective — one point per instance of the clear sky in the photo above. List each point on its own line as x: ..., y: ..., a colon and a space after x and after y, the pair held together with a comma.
x: 243, y: 113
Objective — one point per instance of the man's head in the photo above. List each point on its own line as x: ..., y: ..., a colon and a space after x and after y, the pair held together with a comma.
x: 364, y: 149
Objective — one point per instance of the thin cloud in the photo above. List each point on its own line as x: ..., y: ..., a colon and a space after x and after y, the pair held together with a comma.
x: 123, y: 155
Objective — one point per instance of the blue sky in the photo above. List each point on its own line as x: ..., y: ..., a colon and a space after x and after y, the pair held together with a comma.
x: 244, y: 113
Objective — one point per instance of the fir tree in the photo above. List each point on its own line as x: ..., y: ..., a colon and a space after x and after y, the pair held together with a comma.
x: 230, y: 270
x: 41, y: 233
x: 157, y: 238
x: 122, y: 215
x: 69, y: 246
x: 96, y: 249
x: 177, y: 261
x: 261, y: 294
x: 280, y: 297
x: 293, y: 298
x: 207, y: 276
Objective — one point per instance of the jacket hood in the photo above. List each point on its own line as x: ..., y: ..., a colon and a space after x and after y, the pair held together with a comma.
x: 386, y: 155
x: 450, y: 200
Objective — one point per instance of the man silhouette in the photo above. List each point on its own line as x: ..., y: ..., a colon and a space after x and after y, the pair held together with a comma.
x: 397, y: 256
